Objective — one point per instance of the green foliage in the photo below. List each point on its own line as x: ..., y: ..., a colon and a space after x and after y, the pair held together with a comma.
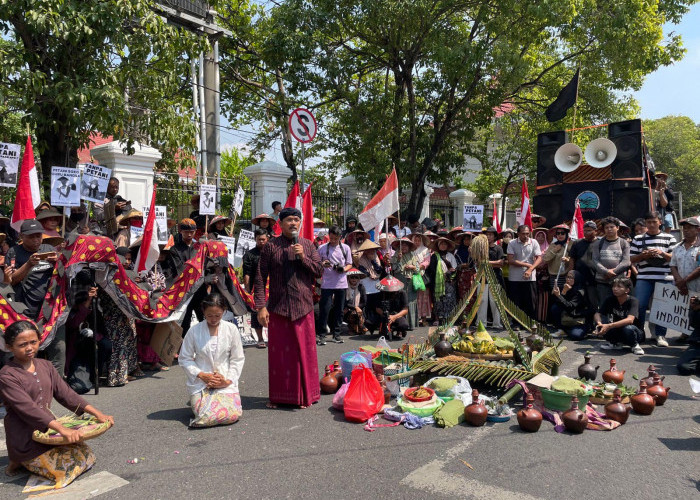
x: 412, y: 83
x: 674, y: 145
x: 114, y: 66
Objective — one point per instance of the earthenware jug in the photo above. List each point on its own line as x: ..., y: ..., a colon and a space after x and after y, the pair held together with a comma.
x: 616, y: 410
x: 613, y: 375
x: 643, y: 402
x: 586, y: 370
x: 649, y: 379
x: 529, y: 419
x: 658, y: 391
x: 443, y: 347
x: 574, y: 419
x: 329, y: 383
x: 338, y: 372
x: 476, y: 413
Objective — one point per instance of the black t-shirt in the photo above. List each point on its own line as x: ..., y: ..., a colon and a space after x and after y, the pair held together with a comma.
x: 32, y: 289
x: 250, y: 263
x: 616, y: 311
x: 578, y: 252
x: 496, y: 253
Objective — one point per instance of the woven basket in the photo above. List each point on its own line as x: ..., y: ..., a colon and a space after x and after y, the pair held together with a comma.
x: 89, y: 428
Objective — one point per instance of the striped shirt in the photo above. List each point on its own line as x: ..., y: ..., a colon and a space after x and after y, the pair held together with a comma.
x: 656, y: 268
x: 291, y: 280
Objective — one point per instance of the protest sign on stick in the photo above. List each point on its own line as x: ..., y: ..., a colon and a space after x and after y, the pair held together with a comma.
x: 207, y: 199
x: 9, y: 164
x: 64, y: 187
x: 93, y: 186
x: 671, y: 309
x: 473, y: 217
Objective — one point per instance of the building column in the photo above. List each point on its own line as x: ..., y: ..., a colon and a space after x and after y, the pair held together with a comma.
x: 460, y: 198
x: 268, y: 182
x: 354, y: 198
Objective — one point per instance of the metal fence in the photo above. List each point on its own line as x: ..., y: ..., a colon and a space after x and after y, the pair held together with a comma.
x: 175, y: 191
x: 329, y: 208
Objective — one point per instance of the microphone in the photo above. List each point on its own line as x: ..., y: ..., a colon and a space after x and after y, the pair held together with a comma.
x: 295, y: 240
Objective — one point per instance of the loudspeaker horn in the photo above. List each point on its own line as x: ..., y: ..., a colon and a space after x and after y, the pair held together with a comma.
x: 600, y: 152
x: 568, y: 157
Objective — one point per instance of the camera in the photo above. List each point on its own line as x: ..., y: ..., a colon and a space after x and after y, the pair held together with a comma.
x: 339, y: 268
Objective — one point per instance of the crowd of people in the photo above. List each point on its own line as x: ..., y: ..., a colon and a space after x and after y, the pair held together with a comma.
x: 411, y: 274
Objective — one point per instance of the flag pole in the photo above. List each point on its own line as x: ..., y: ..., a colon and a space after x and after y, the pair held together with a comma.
x: 578, y: 82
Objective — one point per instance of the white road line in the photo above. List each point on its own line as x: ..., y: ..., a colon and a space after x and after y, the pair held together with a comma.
x: 89, y: 487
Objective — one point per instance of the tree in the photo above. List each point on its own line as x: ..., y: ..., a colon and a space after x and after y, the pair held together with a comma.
x: 410, y: 82
x: 674, y: 145
x: 75, y: 68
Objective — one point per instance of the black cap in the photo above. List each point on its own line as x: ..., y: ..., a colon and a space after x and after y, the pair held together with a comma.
x: 289, y: 212
x: 31, y: 226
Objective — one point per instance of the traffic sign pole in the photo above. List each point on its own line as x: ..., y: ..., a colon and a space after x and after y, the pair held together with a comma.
x: 303, y: 151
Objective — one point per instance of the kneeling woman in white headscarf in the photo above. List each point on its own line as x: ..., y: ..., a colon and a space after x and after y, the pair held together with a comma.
x: 212, y: 356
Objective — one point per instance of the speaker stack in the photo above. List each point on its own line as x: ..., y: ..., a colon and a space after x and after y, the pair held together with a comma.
x: 611, y: 181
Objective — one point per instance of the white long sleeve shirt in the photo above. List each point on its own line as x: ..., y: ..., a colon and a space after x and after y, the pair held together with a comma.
x: 200, y: 352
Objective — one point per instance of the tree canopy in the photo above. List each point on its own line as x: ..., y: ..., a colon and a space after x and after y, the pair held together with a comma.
x: 74, y: 68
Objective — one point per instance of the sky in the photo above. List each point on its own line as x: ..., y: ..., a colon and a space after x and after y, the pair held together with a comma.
x: 674, y: 90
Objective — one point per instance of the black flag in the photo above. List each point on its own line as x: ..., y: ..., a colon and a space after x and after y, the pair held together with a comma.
x: 566, y: 98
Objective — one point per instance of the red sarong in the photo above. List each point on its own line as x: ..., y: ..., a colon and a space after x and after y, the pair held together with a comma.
x: 292, y: 361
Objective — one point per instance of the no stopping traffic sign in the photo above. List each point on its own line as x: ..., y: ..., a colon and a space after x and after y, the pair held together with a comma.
x: 302, y: 125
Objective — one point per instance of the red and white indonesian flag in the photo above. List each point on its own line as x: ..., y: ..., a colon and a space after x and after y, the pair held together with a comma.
x: 496, y: 218
x: 28, y: 195
x: 384, y: 203
x: 149, y: 251
x: 307, y: 215
x: 576, y: 231
x: 525, y: 214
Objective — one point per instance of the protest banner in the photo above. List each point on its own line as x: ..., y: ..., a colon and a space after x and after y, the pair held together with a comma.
x: 64, y: 187
x: 161, y: 224
x: 93, y: 185
x: 207, y: 199
x: 473, y: 217
x: 671, y: 309
x: 230, y: 243
x: 246, y: 241
x: 9, y: 164
x: 238, y: 201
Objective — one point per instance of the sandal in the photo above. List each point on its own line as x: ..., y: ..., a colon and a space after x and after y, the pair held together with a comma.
x: 261, y: 345
x: 137, y: 373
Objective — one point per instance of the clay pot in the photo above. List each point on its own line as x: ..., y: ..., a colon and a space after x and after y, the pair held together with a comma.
x: 476, y: 413
x: 658, y: 391
x: 329, y: 383
x: 443, y: 347
x: 649, y: 379
x: 529, y: 419
x: 382, y: 383
x: 337, y: 372
x: 586, y: 370
x: 613, y: 375
x: 643, y: 402
x: 528, y: 350
x: 616, y: 410
x: 574, y: 419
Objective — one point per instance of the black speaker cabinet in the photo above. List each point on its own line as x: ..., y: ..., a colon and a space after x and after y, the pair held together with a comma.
x: 630, y: 203
x: 547, y: 145
x: 547, y: 203
x: 627, y: 137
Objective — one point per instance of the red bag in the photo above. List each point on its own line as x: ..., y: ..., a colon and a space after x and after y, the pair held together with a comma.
x: 365, y: 397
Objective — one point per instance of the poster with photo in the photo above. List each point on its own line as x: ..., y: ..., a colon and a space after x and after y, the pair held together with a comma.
x: 230, y: 243
x: 64, y: 187
x: 161, y: 225
x: 207, y: 199
x: 93, y: 185
x: 9, y: 164
x: 238, y: 201
x: 246, y: 241
x: 473, y: 217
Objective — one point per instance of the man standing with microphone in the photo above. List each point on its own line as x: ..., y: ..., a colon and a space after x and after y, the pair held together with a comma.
x: 292, y: 266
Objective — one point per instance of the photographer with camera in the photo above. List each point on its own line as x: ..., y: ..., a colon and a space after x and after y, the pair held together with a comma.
x: 336, y: 259
x: 392, y: 310
x: 651, y: 253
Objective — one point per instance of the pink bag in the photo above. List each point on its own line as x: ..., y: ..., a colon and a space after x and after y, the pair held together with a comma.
x: 340, y: 395
x: 364, y: 397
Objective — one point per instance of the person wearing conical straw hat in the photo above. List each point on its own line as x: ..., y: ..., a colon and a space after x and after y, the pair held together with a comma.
x: 404, y: 265
x: 355, y: 302
x: 441, y: 271
x: 131, y: 218
x: 422, y: 255
x: 392, y: 309
x: 369, y: 263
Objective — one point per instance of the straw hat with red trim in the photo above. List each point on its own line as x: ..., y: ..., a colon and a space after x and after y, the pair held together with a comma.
x: 390, y: 284
x: 459, y: 237
x: 319, y: 223
x: 431, y: 235
x: 355, y: 273
x: 436, y: 243
x: 455, y: 231
x: 218, y: 218
x: 535, y: 217
x: 425, y: 239
x: 395, y: 244
x: 260, y: 217
x: 350, y: 237
x: 368, y: 245
x: 552, y: 232
x: 54, y: 241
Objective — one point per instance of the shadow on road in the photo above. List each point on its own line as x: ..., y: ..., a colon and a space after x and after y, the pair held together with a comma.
x: 177, y: 414
x: 681, y: 444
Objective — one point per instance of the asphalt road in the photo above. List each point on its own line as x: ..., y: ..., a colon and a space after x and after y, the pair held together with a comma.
x: 314, y: 453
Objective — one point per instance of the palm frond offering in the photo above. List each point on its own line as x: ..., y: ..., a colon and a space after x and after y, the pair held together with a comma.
x: 497, y: 373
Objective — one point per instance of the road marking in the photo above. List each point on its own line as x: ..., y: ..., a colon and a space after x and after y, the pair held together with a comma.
x: 89, y: 487
x: 431, y: 477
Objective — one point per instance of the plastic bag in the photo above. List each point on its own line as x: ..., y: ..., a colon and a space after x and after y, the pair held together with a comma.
x: 462, y: 386
x: 364, y: 398
x: 382, y: 343
x: 350, y: 360
x: 339, y: 396
x: 418, y: 284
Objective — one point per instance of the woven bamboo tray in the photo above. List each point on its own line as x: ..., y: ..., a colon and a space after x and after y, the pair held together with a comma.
x: 89, y: 429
